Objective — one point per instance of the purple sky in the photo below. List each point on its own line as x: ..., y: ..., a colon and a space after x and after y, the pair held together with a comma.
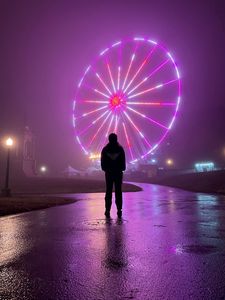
x: 46, y: 46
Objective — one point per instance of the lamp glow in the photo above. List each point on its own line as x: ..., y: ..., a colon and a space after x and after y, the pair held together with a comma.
x: 9, y: 142
x: 169, y: 162
x: 6, y: 191
x: 43, y: 169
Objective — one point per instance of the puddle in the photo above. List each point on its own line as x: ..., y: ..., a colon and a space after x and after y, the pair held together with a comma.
x: 199, y: 249
x: 195, y: 249
x: 103, y: 222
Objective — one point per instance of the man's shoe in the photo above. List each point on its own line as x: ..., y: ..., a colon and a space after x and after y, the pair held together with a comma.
x: 107, y: 214
x: 119, y: 213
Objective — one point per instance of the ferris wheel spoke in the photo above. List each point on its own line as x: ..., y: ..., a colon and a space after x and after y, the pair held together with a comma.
x: 94, y: 136
x: 153, y: 88
x: 104, y: 136
x: 140, y: 103
x: 103, y: 94
x: 116, y: 124
x: 85, y: 130
x: 88, y: 87
x: 146, y: 78
x: 159, y: 67
x: 92, y: 123
x: 139, y: 143
x: 141, y: 66
x: 129, y: 67
x: 137, y: 129
x: 99, y: 118
x: 148, y: 118
x: 103, y: 83
x: 128, y: 70
x: 118, y: 79
x: 119, y: 67
x: 110, y: 124
x: 128, y: 141
x: 90, y: 112
x: 110, y: 75
x: 96, y: 101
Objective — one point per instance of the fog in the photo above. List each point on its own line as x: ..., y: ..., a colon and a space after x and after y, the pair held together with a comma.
x: 47, y: 45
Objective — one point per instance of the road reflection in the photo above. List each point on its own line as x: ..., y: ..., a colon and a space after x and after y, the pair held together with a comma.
x: 115, y: 252
x: 12, y: 230
x: 166, y: 238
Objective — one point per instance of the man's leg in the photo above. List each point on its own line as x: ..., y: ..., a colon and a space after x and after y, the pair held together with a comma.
x: 108, y: 194
x: 118, y: 193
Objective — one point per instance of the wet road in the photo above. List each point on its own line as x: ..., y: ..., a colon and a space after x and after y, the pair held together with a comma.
x: 168, y: 245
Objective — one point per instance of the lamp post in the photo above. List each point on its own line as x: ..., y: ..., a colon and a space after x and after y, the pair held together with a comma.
x: 6, y: 190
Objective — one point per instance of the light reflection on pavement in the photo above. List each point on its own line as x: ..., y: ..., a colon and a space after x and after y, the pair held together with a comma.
x: 168, y: 245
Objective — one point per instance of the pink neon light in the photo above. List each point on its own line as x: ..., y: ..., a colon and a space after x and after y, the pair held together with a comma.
x: 119, y: 67
x: 158, y: 68
x: 99, y: 129
x: 104, y: 137
x: 96, y: 120
x: 152, y: 103
x: 146, y: 78
x: 111, y: 78
x: 141, y: 134
x: 92, y: 123
x: 128, y: 142
x: 128, y: 71
x: 141, y: 142
x: 116, y: 124
x: 150, y: 119
x: 116, y: 101
x: 118, y: 84
x: 107, y: 132
x: 142, y: 65
x: 93, y: 111
x: 153, y: 88
x: 101, y: 80
x: 96, y: 101
x: 101, y: 93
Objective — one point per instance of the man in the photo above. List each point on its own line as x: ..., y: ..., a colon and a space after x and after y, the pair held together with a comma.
x: 113, y: 163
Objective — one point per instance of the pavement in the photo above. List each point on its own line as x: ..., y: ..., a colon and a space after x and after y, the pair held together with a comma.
x: 169, y: 244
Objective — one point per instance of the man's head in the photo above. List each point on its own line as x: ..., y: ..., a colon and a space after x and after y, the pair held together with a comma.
x: 113, y: 138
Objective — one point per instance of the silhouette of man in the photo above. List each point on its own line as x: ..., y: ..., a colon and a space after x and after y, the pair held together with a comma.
x: 113, y: 163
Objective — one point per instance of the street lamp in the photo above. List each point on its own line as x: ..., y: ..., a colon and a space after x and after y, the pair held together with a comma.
x: 43, y: 170
x: 169, y: 162
x: 6, y: 192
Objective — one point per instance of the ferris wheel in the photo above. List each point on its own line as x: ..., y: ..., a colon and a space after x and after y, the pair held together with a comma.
x: 133, y: 89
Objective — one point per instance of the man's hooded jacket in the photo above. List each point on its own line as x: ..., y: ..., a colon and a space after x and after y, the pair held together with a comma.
x: 113, y: 158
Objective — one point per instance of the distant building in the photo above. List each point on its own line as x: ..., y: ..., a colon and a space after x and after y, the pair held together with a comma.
x: 71, y: 172
x: 29, y: 153
x: 204, y: 166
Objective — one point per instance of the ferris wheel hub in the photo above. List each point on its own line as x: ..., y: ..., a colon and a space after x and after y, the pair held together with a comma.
x: 117, y: 101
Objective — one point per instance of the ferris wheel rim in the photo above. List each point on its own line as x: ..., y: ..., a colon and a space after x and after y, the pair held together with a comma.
x: 101, y: 55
